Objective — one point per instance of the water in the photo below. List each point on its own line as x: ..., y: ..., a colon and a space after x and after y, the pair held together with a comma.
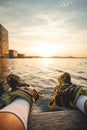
x: 42, y: 73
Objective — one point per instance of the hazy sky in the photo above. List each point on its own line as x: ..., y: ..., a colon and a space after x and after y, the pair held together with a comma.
x: 46, y: 27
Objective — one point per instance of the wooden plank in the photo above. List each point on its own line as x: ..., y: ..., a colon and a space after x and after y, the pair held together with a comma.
x: 58, y: 120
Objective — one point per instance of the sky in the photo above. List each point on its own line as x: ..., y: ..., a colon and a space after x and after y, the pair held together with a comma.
x: 46, y: 27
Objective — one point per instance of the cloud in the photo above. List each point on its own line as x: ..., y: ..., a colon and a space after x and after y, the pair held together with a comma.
x: 66, y: 3
x: 72, y: 5
x: 39, y: 13
x: 54, y: 21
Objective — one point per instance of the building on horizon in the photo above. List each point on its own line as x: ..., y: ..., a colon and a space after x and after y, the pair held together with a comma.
x: 13, y: 54
x: 20, y: 55
x: 4, y: 45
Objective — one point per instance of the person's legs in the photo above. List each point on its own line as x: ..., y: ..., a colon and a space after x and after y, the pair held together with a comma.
x: 15, y: 115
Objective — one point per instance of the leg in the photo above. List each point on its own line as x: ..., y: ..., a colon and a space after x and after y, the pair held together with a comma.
x: 19, y: 108
x: 81, y: 103
x: 15, y: 115
x: 9, y: 121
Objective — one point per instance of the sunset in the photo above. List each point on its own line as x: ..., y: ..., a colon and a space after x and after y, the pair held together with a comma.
x: 43, y: 64
x: 45, y: 50
x: 46, y: 28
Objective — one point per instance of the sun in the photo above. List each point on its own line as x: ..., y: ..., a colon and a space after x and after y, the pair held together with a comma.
x: 46, y: 50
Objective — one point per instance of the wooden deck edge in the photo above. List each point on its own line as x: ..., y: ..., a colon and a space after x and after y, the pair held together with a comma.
x: 58, y: 120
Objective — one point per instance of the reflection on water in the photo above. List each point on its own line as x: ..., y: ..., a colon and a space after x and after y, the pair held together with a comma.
x: 46, y: 62
x: 4, y: 68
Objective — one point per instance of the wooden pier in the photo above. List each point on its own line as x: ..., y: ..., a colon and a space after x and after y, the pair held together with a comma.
x: 58, y: 120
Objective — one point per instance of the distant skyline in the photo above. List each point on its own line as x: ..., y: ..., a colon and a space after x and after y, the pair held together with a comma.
x: 46, y: 27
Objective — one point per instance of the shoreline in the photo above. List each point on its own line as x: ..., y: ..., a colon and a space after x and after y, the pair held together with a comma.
x: 42, y: 57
